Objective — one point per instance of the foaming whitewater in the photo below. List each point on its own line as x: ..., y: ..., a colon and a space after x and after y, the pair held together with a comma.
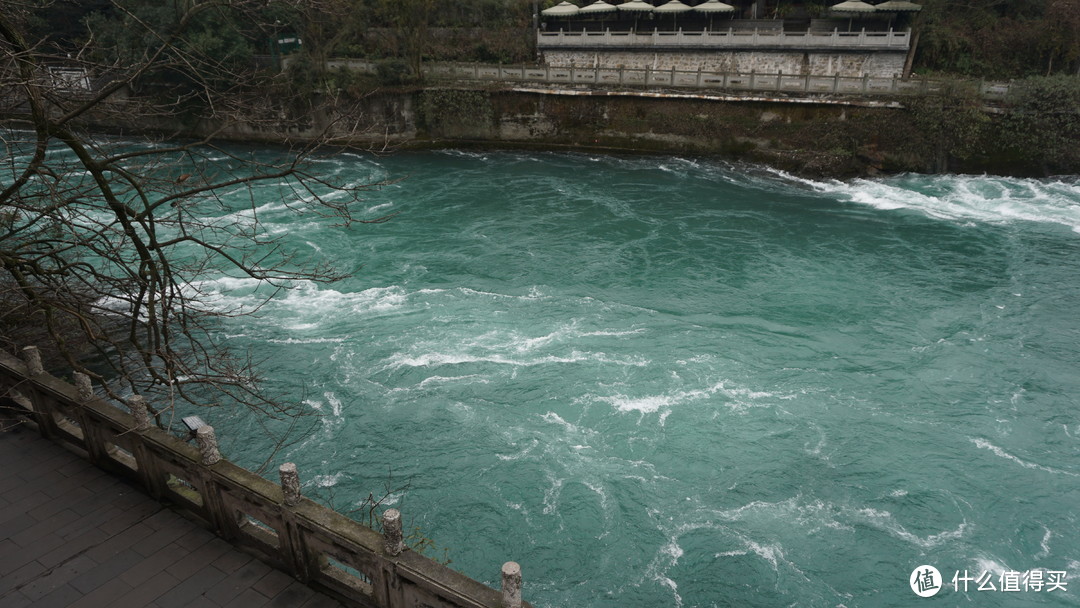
x: 983, y: 199
x: 678, y: 382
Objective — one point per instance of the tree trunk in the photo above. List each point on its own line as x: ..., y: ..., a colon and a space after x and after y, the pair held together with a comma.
x: 911, y: 53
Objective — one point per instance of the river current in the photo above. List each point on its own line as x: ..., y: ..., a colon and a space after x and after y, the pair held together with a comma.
x: 660, y: 381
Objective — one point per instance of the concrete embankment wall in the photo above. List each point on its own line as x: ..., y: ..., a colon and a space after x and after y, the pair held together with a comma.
x: 816, y: 137
x: 816, y: 63
x: 822, y: 136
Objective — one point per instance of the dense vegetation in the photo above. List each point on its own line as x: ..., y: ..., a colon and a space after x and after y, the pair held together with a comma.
x: 999, y: 38
x: 1034, y: 42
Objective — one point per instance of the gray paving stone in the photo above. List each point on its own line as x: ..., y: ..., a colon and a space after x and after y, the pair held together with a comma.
x: 74, y: 536
x: 166, y: 518
x: 61, y: 597
x: 12, y: 557
x: 155, y: 564
x: 72, y: 547
x: 20, y: 577
x: 64, y: 502
x: 35, y: 533
x: 187, y: 593
x: 162, y: 537
x: 195, y: 539
x: 88, y: 521
x: 106, y: 571
x: 57, y: 577
x: 124, y: 539
x: 104, y: 596
x: 230, y: 561
x: 273, y: 583
x: 322, y: 601
x: 292, y: 596
x: 238, y: 581
x: 198, y: 559
x: 76, y: 467
x: 146, y: 592
x: 130, y: 517
x: 248, y: 598
x: 16, y: 600
x: 18, y: 519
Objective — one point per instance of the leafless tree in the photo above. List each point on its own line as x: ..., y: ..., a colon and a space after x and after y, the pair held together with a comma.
x: 105, y: 244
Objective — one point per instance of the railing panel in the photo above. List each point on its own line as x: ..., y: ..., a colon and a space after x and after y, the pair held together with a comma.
x: 731, y: 38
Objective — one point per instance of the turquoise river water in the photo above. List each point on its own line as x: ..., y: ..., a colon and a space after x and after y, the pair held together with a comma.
x: 678, y: 382
x: 675, y: 382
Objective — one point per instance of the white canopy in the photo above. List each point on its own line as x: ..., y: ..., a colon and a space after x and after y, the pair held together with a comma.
x: 636, y: 5
x: 562, y: 9
x: 714, y: 6
x: 673, y: 7
x: 898, y: 6
x: 598, y: 7
x: 852, y: 6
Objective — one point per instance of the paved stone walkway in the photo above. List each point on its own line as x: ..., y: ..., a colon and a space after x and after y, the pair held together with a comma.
x: 73, y: 535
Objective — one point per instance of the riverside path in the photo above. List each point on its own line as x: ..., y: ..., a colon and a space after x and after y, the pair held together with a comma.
x: 72, y: 535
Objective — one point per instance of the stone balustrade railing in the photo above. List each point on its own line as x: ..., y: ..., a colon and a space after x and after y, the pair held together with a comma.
x: 729, y: 39
x: 316, y: 545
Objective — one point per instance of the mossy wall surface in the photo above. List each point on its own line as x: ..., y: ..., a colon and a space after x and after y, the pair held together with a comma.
x: 809, y: 137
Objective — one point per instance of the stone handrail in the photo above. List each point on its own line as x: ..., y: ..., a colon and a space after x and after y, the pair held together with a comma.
x: 730, y: 38
x: 316, y: 545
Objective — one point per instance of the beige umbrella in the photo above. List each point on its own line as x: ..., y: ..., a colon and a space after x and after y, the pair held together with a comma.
x: 711, y: 7
x: 857, y: 7
x: 674, y: 7
x: 714, y: 6
x: 562, y: 9
x: 636, y: 6
x: 852, y: 8
x: 898, y: 6
x: 598, y: 7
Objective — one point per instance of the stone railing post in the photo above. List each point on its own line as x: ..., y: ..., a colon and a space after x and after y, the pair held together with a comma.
x: 83, y: 386
x: 393, y: 539
x: 32, y: 357
x: 208, y: 445
x: 511, y: 585
x: 92, y: 439
x: 290, y: 484
x: 140, y: 411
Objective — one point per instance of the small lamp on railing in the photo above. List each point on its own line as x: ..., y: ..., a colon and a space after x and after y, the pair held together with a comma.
x: 193, y: 423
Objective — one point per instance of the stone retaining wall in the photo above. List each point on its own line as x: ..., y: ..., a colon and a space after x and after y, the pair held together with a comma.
x: 875, y: 64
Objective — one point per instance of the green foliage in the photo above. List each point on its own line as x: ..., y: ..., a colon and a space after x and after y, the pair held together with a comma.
x: 132, y: 30
x: 393, y: 72
x: 445, y: 111
x: 952, y: 122
x: 1043, y: 121
x: 999, y: 38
